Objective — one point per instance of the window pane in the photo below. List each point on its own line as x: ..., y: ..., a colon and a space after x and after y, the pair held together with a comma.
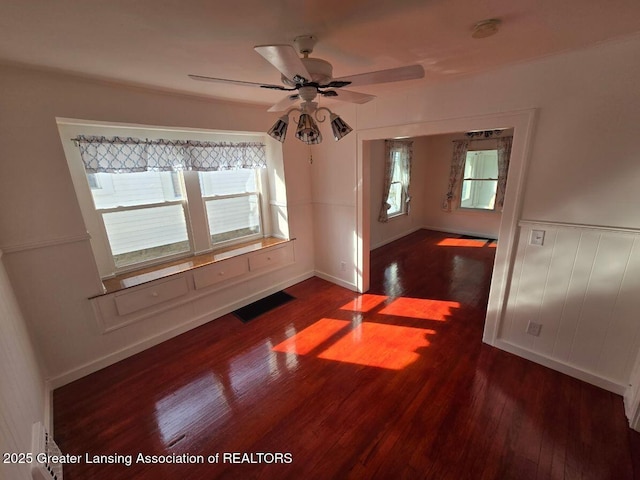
x: 395, y: 199
x: 481, y: 164
x: 480, y: 180
x: 227, y: 182
x: 112, y: 190
x: 232, y: 218
x: 479, y: 194
x: 468, y: 165
x: 147, y: 233
x: 397, y: 167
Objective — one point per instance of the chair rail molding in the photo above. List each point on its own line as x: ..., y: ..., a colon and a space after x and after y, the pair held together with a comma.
x: 46, y: 242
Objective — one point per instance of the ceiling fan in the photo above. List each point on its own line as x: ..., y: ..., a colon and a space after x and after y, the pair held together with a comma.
x: 310, y: 77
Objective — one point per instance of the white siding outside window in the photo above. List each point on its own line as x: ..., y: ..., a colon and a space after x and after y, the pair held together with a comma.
x: 146, y: 215
x: 232, y: 201
x: 143, y: 215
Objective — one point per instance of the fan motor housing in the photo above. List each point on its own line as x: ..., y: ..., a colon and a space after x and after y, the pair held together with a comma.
x: 321, y: 71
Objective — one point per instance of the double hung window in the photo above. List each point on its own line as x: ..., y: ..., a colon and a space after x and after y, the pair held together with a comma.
x: 160, y: 199
x: 480, y: 180
x: 143, y: 213
x: 232, y: 203
x: 397, y: 179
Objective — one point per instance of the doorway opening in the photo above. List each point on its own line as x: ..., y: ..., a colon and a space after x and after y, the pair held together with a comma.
x: 522, y: 125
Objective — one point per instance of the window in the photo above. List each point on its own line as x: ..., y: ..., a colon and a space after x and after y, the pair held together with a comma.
x: 232, y: 202
x: 396, y: 198
x: 480, y: 180
x: 398, y: 174
x: 147, y: 201
x: 143, y: 214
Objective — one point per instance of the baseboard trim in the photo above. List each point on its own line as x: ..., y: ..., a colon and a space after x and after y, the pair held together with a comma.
x: 571, y: 370
x: 107, y: 360
x: 336, y: 280
x: 461, y: 232
x: 394, y: 238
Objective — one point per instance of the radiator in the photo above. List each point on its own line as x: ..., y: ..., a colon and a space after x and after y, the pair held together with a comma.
x: 43, y: 448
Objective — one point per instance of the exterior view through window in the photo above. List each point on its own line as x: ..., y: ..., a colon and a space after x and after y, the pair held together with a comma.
x: 480, y: 180
x: 145, y: 214
x: 397, y: 190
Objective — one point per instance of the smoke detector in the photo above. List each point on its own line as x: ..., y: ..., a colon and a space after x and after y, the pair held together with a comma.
x: 486, y: 28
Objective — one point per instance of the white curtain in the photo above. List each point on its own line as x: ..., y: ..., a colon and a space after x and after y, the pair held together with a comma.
x: 460, y: 148
x: 504, y: 154
x: 400, y: 169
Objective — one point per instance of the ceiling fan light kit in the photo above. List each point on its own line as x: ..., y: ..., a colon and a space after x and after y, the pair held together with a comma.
x: 279, y: 129
x: 311, y: 77
x: 307, y: 130
x: 339, y: 127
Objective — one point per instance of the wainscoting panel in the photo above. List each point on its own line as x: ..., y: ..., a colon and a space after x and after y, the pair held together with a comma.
x: 583, y: 287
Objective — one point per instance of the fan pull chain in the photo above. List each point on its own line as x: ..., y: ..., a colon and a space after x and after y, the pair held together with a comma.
x: 310, y: 156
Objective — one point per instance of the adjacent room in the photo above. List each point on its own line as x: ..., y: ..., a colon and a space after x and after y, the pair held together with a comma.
x: 326, y: 240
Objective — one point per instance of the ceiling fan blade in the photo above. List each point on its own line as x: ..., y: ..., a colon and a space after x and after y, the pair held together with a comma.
x: 286, y: 60
x: 284, y: 104
x: 334, y: 84
x: 410, y: 72
x: 237, y: 82
x: 349, y: 96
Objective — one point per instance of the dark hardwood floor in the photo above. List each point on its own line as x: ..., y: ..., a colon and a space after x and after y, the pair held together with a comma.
x: 395, y: 383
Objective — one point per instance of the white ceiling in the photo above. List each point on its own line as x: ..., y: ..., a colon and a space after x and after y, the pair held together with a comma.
x: 156, y: 43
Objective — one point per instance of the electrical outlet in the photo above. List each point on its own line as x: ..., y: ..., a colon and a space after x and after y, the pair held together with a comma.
x: 534, y: 329
x: 537, y: 238
x: 343, y: 266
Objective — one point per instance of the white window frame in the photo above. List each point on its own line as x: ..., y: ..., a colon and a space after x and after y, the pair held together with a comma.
x: 144, y: 206
x: 192, y: 201
x: 243, y: 238
x: 474, y: 179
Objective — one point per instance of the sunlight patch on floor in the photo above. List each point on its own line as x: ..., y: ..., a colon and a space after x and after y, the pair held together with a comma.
x: 371, y: 344
x: 379, y: 345
x: 465, y: 242
x: 364, y: 303
x: 312, y: 337
x: 422, y: 308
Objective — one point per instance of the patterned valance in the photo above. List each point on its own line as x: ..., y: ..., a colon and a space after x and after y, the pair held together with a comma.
x: 128, y: 155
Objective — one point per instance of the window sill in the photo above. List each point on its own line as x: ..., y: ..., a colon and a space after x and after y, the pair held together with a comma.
x: 397, y: 215
x: 164, y: 270
x: 477, y: 210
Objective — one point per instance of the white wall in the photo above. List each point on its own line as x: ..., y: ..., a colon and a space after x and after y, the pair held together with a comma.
x: 333, y: 189
x: 22, y: 386
x: 582, y: 286
x: 582, y: 163
x: 47, y: 252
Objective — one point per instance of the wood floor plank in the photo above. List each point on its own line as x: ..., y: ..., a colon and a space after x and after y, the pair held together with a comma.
x: 395, y: 383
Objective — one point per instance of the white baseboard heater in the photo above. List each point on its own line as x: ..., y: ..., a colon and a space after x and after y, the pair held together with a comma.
x: 44, y: 449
